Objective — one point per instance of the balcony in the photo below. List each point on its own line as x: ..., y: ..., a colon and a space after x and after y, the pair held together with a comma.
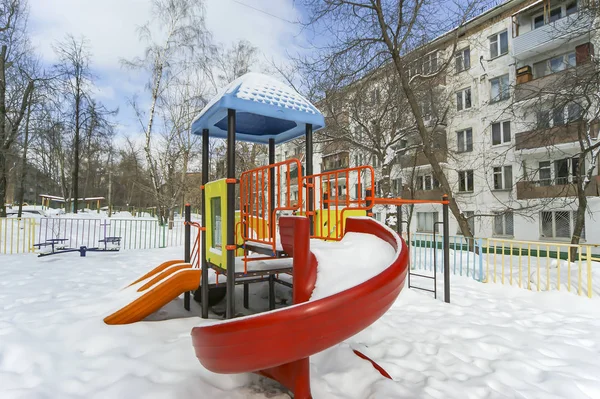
x: 417, y: 158
x: 341, y: 160
x: 554, y: 188
x: 555, y: 83
x: 551, y: 35
x: 543, y: 138
x: 429, y: 195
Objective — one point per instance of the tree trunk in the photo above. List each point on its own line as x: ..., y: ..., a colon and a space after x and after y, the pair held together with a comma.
x: 3, y: 182
x: 3, y: 138
x: 579, y: 219
x: 109, y: 201
x: 427, y: 149
x: 24, y: 161
x: 75, y: 178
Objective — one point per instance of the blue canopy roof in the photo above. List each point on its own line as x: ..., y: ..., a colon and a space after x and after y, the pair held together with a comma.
x: 265, y: 109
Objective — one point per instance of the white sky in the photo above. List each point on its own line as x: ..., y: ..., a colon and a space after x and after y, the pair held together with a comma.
x: 110, y: 28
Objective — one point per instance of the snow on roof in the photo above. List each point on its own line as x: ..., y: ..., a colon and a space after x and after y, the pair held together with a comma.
x: 265, y: 109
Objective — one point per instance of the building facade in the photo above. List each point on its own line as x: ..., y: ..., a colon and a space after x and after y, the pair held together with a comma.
x: 510, y: 141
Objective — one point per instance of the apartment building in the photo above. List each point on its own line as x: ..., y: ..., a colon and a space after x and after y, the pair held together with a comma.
x: 508, y: 146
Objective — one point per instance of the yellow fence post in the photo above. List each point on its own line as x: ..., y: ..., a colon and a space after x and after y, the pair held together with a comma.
x: 589, y: 270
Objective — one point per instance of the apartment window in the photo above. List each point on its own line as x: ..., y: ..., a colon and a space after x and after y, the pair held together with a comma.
x: 555, y: 14
x: 464, y: 140
x: 470, y: 220
x: 426, y: 182
x: 499, y: 44
x: 544, y: 173
x: 558, y: 224
x: 500, y: 88
x: 560, y: 172
x: 430, y: 63
x: 375, y: 161
x: 426, y: 109
x: 426, y: 221
x: 554, y: 64
x: 465, y: 181
x: 574, y: 112
x: 397, y: 186
x: 504, y: 224
x: 538, y: 21
x: 425, y: 65
x: 463, y: 99
x: 559, y: 115
x: 503, y: 179
x: 463, y: 60
x: 500, y: 133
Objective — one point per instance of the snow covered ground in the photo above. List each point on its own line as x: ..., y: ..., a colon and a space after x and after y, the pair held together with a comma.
x: 492, y: 341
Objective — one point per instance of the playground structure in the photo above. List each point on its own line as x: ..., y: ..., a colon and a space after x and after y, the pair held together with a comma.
x: 280, y: 211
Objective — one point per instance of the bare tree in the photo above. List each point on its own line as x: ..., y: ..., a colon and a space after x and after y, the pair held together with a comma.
x: 368, y: 35
x: 16, y: 85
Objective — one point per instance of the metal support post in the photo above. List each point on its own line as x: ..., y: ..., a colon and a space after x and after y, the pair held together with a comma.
x: 230, y: 311
x: 309, y: 172
x: 186, y: 250
x: 204, y: 263
x: 446, y: 220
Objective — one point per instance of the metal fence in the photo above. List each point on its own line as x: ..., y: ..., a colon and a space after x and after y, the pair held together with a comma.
x: 539, y: 266
x: 18, y: 235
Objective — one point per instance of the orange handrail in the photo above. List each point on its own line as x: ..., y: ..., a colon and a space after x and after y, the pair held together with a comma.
x: 256, y: 201
x: 402, y: 201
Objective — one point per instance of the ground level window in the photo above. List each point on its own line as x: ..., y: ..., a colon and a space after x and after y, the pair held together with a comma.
x: 504, y: 224
x: 558, y: 224
x: 426, y: 221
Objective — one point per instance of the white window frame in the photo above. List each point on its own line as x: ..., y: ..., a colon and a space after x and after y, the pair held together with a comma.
x: 503, y: 133
x: 495, y: 40
x: 461, y: 137
x: 553, y: 179
x: 421, y: 182
x: 461, y: 62
x: 463, y: 175
x: 427, y: 229
x: 461, y: 99
x: 501, y: 218
x: 503, y: 92
x: 506, y: 179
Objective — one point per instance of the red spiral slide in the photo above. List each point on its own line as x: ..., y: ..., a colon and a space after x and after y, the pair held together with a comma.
x: 277, y: 344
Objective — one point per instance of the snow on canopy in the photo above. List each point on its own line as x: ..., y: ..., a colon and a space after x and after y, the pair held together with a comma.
x: 265, y: 109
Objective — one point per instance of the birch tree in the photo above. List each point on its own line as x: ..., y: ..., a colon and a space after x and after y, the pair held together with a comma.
x: 176, y: 39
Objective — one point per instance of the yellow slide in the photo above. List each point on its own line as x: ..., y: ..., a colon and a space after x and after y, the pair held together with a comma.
x: 163, y: 284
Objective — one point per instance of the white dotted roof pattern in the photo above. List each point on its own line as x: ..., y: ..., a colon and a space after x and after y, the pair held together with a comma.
x: 267, y: 90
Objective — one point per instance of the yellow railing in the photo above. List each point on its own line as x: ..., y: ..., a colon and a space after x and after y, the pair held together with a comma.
x: 17, y: 235
x: 542, y: 265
